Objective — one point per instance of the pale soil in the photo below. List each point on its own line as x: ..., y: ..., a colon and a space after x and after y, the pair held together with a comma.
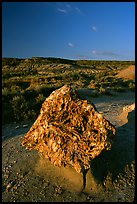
x: 26, y: 176
x: 128, y: 73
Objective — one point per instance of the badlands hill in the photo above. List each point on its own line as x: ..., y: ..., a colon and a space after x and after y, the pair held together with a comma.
x: 127, y: 73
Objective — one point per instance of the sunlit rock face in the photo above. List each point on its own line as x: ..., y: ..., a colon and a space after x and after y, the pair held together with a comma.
x: 69, y: 131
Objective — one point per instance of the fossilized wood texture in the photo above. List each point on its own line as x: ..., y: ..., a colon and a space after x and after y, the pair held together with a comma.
x: 68, y: 130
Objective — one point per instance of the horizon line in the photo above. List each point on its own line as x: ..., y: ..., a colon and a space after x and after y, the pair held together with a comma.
x: 68, y: 58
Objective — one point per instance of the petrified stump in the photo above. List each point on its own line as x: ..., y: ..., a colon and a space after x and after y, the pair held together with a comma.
x: 69, y: 131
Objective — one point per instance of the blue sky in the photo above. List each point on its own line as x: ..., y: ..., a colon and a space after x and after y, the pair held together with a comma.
x: 72, y: 30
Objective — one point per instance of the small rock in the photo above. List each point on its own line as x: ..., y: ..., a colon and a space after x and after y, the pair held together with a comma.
x: 21, y: 176
x: 129, y: 183
x: 7, y: 171
x: 19, y: 184
x: 8, y: 187
x: 15, y: 187
x: 17, y: 127
x: 6, y: 176
x: 58, y: 190
x: 46, y: 184
x: 24, y: 126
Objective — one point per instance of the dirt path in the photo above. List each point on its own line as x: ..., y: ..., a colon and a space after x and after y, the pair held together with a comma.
x: 26, y: 176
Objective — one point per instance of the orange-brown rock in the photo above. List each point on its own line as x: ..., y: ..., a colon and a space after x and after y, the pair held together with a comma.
x: 69, y: 131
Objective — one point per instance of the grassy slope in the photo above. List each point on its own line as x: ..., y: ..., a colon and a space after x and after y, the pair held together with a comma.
x: 27, y: 82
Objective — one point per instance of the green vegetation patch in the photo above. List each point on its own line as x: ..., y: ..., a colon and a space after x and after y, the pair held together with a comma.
x: 27, y: 82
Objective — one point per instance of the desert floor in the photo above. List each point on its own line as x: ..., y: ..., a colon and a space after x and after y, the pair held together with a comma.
x: 27, y: 176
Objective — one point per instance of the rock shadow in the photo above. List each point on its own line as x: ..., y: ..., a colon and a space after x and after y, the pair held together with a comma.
x: 122, y: 153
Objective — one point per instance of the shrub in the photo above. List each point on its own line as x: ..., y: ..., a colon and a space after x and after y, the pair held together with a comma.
x: 46, y: 90
x: 100, y: 76
x: 102, y: 90
x: 29, y: 94
x: 92, y: 84
x: 15, y: 89
x: 20, y: 107
x: 31, y: 114
x: 5, y: 91
x: 40, y: 98
x: 131, y: 85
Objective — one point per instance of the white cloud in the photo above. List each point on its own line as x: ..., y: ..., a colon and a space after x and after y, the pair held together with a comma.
x: 62, y: 10
x: 67, y: 8
x: 104, y: 53
x: 70, y: 44
x: 108, y: 54
x: 94, y: 28
x: 94, y: 52
x: 78, y: 10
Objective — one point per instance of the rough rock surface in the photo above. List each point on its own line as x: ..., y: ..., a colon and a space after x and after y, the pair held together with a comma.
x: 69, y: 131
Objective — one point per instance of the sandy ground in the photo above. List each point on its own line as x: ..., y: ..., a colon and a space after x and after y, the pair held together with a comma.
x: 28, y: 177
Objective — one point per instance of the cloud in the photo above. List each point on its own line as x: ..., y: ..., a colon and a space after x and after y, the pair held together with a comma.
x: 94, y: 28
x: 62, y: 10
x: 104, y: 53
x: 70, y: 44
x: 67, y: 8
x: 94, y: 52
x: 109, y: 54
x: 78, y: 10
